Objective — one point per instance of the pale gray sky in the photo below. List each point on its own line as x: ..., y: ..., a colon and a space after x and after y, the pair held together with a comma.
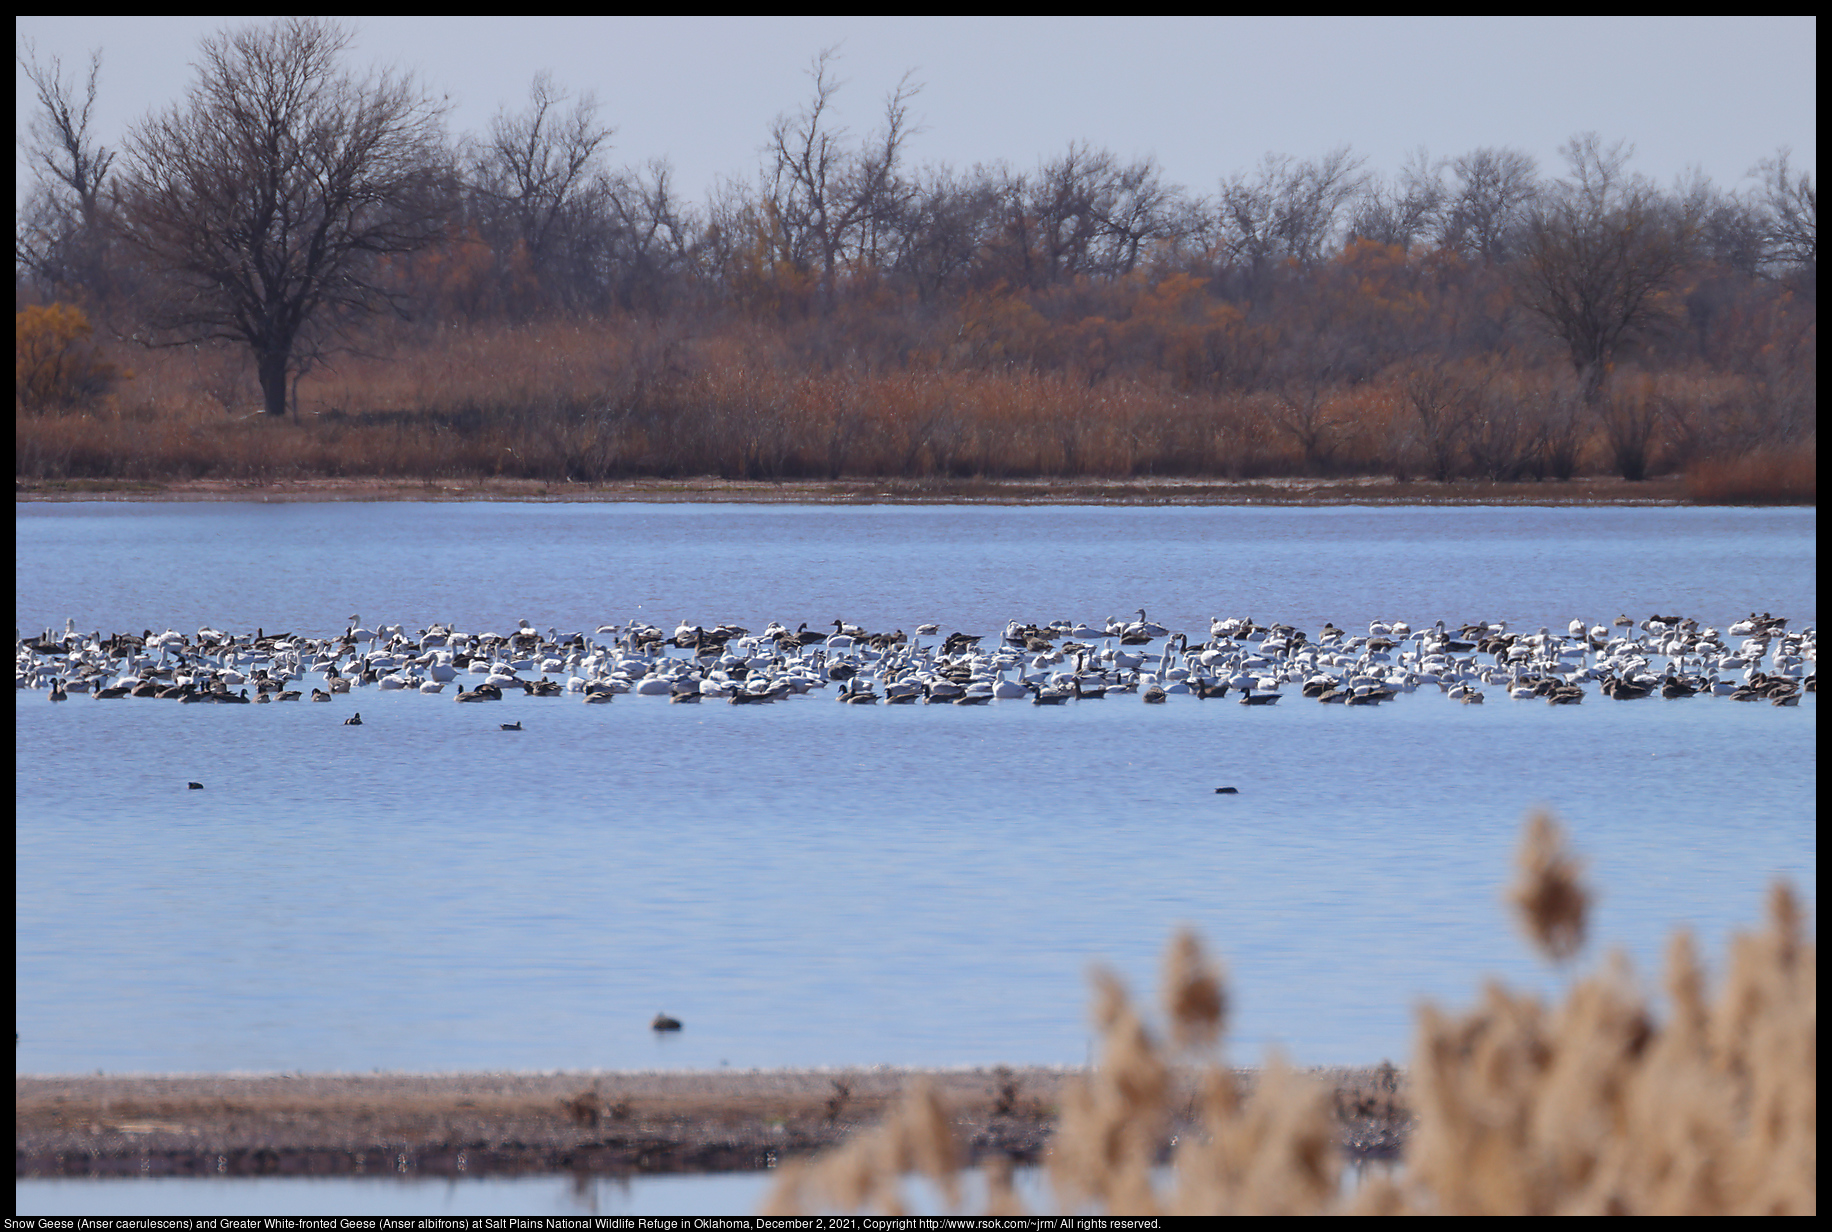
x: 1207, y: 96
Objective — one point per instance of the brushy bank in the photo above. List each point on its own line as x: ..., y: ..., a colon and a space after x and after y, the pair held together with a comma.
x: 604, y: 402
x: 1594, y: 1105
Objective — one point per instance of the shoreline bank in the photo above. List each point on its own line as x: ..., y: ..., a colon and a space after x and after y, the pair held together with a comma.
x: 603, y: 1123
x: 1667, y: 490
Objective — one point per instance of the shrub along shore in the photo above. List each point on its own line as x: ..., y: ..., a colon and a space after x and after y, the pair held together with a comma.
x: 561, y: 409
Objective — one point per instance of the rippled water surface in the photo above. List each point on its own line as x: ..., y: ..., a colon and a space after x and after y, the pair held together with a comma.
x: 720, y: 1194
x: 813, y: 884
x: 735, y: 1193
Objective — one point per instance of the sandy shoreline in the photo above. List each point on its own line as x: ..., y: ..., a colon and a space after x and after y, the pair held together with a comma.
x: 1668, y: 490
x: 609, y: 1123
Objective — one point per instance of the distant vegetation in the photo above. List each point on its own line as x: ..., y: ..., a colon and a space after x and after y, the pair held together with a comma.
x: 328, y: 284
x: 1592, y: 1105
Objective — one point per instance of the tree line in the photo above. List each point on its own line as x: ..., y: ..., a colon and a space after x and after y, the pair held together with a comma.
x: 1510, y: 317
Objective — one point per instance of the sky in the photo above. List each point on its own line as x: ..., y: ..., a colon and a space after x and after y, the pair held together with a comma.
x: 1207, y: 97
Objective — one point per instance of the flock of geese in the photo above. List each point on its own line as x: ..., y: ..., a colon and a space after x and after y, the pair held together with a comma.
x: 1756, y: 659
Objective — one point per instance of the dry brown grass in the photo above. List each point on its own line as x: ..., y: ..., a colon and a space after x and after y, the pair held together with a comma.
x: 610, y: 400
x: 1593, y: 1105
x: 1758, y: 479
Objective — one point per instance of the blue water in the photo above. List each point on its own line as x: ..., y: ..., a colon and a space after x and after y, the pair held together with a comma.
x: 736, y: 1193
x: 309, y: 566
x: 812, y: 884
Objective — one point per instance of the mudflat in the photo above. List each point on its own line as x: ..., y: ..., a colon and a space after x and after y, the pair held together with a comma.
x: 614, y: 1123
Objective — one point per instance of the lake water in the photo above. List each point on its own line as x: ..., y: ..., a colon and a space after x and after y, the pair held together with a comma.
x: 818, y: 885
x: 732, y: 1193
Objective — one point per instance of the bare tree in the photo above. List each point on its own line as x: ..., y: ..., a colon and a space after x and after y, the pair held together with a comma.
x: 1793, y: 209
x: 268, y: 199
x: 1731, y: 230
x: 652, y: 233
x: 1501, y: 440
x: 1304, y: 387
x: 1445, y: 403
x: 1311, y: 204
x: 1556, y: 413
x: 947, y: 222
x: 62, y: 230
x: 1405, y: 212
x: 1065, y: 207
x: 1245, y: 222
x: 1486, y: 209
x: 538, y: 170
x: 831, y: 203
x: 717, y: 252
x: 1137, y: 210
x: 1287, y: 210
x: 1631, y: 414
x: 1601, y: 249
x: 1084, y: 214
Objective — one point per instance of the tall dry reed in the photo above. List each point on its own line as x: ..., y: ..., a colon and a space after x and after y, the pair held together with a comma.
x: 1592, y: 1105
x: 1764, y: 478
x: 597, y: 400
